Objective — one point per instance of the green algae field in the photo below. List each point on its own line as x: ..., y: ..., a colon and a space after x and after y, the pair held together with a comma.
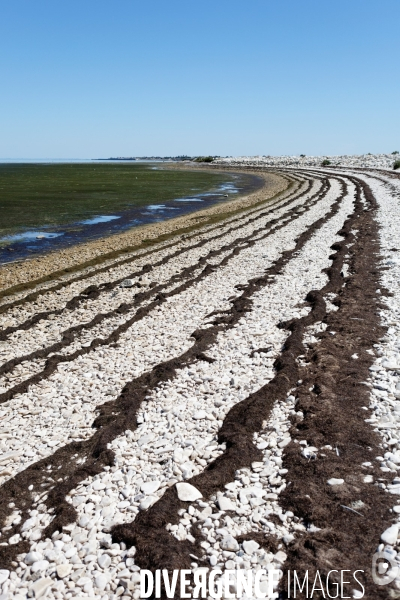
x: 38, y: 195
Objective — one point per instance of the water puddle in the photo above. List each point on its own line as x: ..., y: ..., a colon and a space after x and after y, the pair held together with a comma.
x: 100, y: 219
x: 28, y: 236
x: 192, y: 199
x: 155, y: 206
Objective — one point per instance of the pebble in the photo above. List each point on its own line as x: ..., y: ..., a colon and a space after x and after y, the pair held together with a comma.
x: 280, y: 557
x: 14, y: 539
x: 150, y: 487
x: 250, y: 546
x: 200, y: 414
x: 310, y: 452
x: 389, y: 536
x: 226, y: 504
x: 63, y: 570
x: 391, y: 364
x: 32, y: 557
x: 40, y: 565
x: 229, y: 543
x: 187, y: 492
x: 145, y: 503
x: 41, y: 586
x: 104, y: 561
x: 100, y: 581
x: 127, y: 283
x: 335, y: 481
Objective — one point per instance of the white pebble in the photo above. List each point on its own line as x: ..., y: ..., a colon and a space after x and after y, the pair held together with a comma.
x: 389, y: 536
x: 334, y: 481
x: 187, y: 492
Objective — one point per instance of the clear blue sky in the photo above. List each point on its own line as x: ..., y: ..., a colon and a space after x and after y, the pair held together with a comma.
x: 99, y: 78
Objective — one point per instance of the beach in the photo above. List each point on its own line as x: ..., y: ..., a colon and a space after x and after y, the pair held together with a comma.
x: 222, y: 400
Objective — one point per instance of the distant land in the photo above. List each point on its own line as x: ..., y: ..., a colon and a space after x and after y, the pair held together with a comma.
x: 147, y: 158
x: 172, y: 158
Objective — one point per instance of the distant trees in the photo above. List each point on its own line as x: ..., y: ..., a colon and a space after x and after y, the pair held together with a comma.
x: 205, y: 159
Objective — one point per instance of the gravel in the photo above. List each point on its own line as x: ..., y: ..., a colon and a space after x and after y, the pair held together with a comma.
x: 177, y: 434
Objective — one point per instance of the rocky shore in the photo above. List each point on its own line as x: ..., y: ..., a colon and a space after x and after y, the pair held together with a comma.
x: 369, y: 161
x: 227, y: 399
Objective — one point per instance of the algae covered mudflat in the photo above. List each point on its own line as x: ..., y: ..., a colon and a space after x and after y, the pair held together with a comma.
x: 38, y: 195
x: 51, y: 206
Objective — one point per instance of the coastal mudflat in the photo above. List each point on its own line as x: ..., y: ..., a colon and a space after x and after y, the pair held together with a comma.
x: 75, y: 257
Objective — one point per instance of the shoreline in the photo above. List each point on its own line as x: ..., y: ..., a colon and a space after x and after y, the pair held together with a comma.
x: 43, y: 212
x: 24, y: 274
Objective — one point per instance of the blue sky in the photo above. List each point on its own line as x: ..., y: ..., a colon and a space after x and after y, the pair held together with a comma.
x: 86, y: 78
